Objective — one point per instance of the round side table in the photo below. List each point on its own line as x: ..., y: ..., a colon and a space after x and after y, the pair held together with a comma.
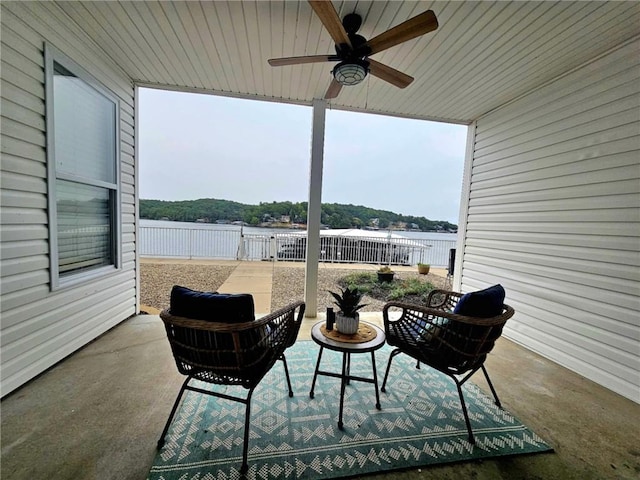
x: 347, y: 348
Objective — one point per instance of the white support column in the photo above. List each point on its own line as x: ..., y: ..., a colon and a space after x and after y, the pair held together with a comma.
x: 136, y: 188
x: 464, y: 206
x: 314, y: 209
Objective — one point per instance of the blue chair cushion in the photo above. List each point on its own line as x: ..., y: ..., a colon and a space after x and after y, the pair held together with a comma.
x: 218, y: 307
x: 212, y: 306
x: 483, y: 303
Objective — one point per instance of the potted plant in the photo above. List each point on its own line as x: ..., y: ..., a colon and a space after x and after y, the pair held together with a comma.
x: 423, y: 268
x: 348, y: 302
x: 385, y: 274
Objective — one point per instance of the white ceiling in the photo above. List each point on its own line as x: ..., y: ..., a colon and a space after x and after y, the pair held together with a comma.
x: 483, y: 54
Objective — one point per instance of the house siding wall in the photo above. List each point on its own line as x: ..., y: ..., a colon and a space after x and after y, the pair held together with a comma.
x: 554, y: 216
x: 38, y: 326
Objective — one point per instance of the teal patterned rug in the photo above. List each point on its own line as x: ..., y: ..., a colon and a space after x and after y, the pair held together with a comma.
x: 420, y: 424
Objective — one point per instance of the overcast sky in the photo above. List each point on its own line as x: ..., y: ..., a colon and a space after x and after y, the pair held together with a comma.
x: 203, y: 146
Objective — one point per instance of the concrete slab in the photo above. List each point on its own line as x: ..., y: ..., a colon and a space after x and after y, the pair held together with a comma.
x: 254, y: 268
x: 99, y: 413
x: 262, y: 303
x: 256, y: 283
x: 255, y: 278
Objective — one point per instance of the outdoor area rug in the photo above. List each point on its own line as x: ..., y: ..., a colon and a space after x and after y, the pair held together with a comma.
x: 421, y: 423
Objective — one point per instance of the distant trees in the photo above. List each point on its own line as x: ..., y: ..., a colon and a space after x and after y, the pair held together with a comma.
x: 334, y: 215
x: 208, y: 209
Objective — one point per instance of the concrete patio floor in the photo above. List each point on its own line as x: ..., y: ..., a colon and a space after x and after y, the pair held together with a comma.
x: 98, y: 415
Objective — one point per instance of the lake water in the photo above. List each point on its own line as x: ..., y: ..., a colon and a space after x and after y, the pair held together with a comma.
x: 223, y: 241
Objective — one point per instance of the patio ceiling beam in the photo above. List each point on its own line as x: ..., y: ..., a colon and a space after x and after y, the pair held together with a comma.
x: 314, y: 208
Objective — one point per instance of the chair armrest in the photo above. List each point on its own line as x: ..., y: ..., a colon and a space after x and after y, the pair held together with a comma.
x: 412, y: 319
x: 286, y: 323
x: 443, y: 299
x: 415, y: 313
x: 283, y: 312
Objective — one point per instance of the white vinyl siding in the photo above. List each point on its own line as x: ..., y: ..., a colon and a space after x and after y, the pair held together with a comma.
x: 554, y: 216
x: 39, y: 326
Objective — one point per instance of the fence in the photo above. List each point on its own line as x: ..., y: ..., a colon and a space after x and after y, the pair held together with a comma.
x: 208, y: 243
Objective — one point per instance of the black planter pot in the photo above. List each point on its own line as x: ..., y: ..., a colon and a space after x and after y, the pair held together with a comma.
x: 385, y: 277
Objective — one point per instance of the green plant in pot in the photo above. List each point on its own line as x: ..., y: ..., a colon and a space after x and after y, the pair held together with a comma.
x: 385, y: 274
x: 347, y: 317
x: 423, y: 268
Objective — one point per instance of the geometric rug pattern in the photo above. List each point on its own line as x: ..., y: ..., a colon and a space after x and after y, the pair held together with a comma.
x: 420, y: 424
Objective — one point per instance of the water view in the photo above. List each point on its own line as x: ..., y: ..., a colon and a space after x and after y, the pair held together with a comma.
x: 223, y: 241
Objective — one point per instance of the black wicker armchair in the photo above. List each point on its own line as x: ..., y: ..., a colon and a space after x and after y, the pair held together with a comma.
x: 228, y: 353
x: 454, y: 344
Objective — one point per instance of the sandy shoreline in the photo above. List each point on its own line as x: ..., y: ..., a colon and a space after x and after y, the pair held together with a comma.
x: 157, y: 279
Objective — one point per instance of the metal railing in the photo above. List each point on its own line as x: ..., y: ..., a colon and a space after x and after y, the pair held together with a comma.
x: 208, y: 243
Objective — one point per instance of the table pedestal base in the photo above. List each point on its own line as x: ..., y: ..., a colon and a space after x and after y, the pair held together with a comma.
x: 345, y: 378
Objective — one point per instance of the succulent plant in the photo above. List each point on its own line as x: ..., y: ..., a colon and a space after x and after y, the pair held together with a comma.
x: 348, y: 301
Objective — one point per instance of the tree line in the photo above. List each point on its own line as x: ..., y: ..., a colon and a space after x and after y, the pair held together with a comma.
x: 334, y: 215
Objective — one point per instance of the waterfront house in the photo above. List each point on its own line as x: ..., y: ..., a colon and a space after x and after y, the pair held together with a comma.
x: 550, y: 209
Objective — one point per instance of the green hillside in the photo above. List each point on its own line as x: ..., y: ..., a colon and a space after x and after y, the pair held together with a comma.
x: 334, y: 215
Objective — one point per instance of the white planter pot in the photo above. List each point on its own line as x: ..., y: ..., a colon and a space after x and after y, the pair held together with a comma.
x: 347, y: 325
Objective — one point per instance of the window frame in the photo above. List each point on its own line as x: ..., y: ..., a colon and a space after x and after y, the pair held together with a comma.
x: 51, y: 56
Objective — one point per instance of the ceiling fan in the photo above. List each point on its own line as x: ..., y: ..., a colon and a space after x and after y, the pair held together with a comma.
x: 353, y: 50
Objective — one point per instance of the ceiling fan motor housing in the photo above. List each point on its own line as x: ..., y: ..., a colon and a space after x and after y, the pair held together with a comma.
x: 351, y: 22
x: 358, y: 49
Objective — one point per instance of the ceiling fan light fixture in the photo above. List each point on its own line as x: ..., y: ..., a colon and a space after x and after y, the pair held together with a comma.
x: 351, y: 72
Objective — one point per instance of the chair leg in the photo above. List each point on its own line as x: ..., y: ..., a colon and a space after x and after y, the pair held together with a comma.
x: 386, y: 373
x: 472, y: 440
x: 173, y: 412
x: 493, y: 390
x: 286, y: 372
x: 247, y: 416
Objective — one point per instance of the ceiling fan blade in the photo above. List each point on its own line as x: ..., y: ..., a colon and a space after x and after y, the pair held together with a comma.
x: 388, y: 74
x: 333, y: 90
x: 327, y: 14
x: 279, y: 62
x: 414, y: 27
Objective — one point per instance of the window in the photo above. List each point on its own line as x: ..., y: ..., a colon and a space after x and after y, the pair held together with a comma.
x: 83, y: 169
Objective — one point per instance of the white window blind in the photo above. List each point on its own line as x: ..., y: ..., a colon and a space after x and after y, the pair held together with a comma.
x: 84, y: 227
x: 83, y: 163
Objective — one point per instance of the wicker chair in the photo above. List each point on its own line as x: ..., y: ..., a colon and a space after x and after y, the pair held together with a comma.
x: 455, y: 345
x: 231, y: 354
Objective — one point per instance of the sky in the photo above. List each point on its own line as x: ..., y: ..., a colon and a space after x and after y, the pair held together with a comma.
x: 195, y: 146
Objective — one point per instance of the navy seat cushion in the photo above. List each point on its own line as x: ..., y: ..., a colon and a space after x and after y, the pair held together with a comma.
x: 483, y: 303
x: 212, y: 306
x: 219, y: 307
